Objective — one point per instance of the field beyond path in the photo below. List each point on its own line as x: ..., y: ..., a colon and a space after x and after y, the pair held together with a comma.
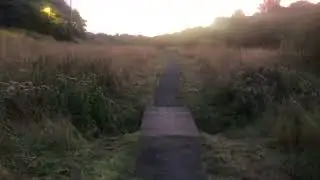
x: 170, y: 145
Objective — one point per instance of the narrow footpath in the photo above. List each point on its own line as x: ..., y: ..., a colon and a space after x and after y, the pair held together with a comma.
x: 170, y: 147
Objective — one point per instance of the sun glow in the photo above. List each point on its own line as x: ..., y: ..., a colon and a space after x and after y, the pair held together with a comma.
x: 154, y: 17
x: 47, y: 10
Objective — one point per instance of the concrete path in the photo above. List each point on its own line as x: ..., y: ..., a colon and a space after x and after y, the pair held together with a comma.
x: 170, y: 146
x: 166, y: 94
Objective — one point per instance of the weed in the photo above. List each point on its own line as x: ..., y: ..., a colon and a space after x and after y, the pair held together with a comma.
x: 57, y: 100
x: 264, y: 99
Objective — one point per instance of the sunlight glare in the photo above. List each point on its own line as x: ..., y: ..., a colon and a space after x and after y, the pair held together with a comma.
x: 157, y: 16
x: 47, y: 10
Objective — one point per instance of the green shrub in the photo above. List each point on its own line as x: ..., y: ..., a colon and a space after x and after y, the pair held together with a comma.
x: 277, y: 102
x: 247, y: 94
x: 56, y: 150
x: 89, y: 98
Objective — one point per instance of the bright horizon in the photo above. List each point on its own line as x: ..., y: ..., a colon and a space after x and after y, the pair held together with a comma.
x: 155, y: 17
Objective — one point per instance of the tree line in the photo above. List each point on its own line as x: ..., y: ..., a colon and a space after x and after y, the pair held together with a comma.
x: 50, y: 17
x: 295, y: 27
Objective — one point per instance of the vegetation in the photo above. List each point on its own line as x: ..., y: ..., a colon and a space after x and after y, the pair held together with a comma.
x: 258, y: 85
x: 50, y: 17
x: 71, y: 110
x: 63, y: 105
x: 292, y: 28
x: 255, y: 96
x: 68, y: 110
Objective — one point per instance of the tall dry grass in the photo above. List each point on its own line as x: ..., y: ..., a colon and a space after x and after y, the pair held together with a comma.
x: 69, y: 94
x: 260, y: 89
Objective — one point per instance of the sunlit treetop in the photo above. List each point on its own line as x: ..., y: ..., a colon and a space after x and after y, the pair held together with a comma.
x: 47, y: 10
x: 50, y: 13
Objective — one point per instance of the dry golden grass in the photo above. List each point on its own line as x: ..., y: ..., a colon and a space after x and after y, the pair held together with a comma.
x: 122, y: 61
x: 50, y: 90
x: 13, y: 47
x: 256, y: 93
x: 226, y: 59
x: 207, y: 63
x: 123, y: 69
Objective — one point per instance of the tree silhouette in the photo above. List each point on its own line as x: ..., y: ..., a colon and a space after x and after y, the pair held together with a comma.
x: 269, y: 5
x: 51, y: 17
x: 301, y: 4
x: 238, y: 14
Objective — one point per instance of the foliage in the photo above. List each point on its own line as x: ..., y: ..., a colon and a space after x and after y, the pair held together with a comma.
x: 226, y: 158
x: 119, y: 39
x: 60, y: 104
x: 269, y: 5
x: 292, y: 28
x: 258, y: 77
x: 250, y: 93
x: 255, y: 95
x: 29, y: 15
x: 60, y: 152
x: 238, y: 14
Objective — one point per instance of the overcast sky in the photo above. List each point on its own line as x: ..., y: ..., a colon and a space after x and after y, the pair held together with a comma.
x: 154, y: 17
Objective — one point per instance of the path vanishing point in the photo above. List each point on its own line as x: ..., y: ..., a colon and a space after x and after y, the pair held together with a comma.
x: 170, y: 147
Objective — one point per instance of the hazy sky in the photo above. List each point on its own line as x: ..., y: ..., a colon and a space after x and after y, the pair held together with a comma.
x: 154, y: 17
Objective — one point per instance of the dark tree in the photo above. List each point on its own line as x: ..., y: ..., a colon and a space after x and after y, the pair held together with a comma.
x: 238, y: 14
x: 301, y: 4
x: 29, y: 15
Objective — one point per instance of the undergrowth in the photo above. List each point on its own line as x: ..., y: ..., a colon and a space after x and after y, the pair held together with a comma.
x: 252, y: 99
x: 60, y: 152
x: 64, y: 108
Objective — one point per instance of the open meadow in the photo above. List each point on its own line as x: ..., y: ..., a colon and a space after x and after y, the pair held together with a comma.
x: 65, y: 107
x: 71, y: 101
x: 258, y: 110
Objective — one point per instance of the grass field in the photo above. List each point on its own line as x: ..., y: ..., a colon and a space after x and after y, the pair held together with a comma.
x: 73, y: 110
x: 259, y: 96
x: 68, y: 109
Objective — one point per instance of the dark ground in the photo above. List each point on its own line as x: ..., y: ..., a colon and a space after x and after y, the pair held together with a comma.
x: 167, y: 92
x: 170, y: 144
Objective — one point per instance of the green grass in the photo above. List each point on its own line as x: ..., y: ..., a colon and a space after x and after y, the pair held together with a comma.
x: 228, y: 158
x: 121, y: 163
x: 61, y: 153
x: 93, y: 99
